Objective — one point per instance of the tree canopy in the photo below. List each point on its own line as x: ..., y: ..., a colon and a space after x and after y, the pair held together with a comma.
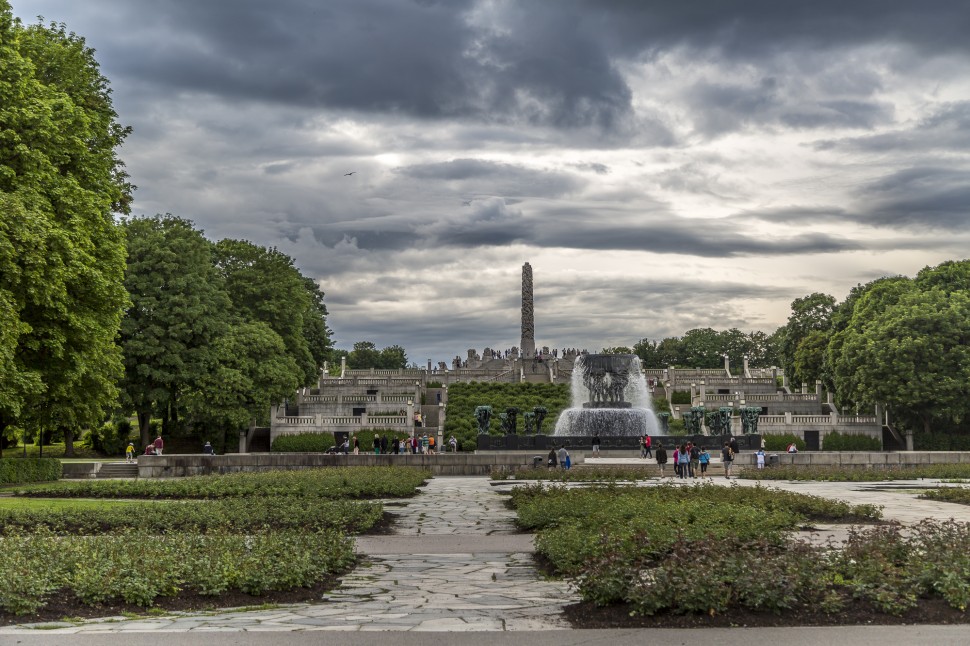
x: 61, y: 291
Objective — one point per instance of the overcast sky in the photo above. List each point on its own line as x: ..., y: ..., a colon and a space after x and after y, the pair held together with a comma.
x: 662, y: 165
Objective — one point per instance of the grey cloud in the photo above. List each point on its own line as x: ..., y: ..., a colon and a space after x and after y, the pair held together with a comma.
x: 947, y: 128
x: 921, y: 197
x: 472, y: 176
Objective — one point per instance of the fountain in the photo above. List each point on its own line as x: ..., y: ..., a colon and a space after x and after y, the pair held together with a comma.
x: 609, y: 399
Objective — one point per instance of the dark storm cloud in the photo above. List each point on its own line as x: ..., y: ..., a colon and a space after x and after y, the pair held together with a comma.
x: 472, y: 175
x: 932, y: 197
x: 753, y: 28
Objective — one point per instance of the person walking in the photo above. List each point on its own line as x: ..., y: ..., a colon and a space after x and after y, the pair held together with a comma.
x: 675, y: 458
x: 661, y: 459
x: 647, y: 453
x: 453, y: 443
x: 130, y: 452
x: 159, y: 445
x: 551, y: 460
x: 596, y: 445
x: 377, y: 444
x: 727, y: 458
x: 695, y: 460
x: 704, y: 459
x: 760, y: 458
x: 356, y: 445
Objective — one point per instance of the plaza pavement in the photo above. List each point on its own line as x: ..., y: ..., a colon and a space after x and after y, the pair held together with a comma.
x: 456, y: 564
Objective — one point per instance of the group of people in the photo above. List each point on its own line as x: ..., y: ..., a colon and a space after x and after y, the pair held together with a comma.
x: 691, y: 460
x: 416, y: 445
x: 152, y: 448
x: 558, y: 458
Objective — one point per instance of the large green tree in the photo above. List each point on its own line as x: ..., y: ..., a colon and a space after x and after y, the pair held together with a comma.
x: 913, y: 356
x: 64, y: 259
x: 179, y: 309
x: 809, y: 314
x: 265, y: 286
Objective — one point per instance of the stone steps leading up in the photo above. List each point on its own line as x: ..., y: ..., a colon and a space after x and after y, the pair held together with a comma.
x: 118, y: 470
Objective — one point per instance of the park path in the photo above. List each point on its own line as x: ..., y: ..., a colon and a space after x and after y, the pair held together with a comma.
x: 455, y: 562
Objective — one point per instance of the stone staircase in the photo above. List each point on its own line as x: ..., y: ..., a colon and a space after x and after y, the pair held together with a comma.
x: 117, y: 470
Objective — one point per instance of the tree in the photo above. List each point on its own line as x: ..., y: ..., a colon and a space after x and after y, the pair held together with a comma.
x: 179, y: 309
x: 702, y: 348
x: 247, y: 371
x: 393, y: 357
x: 364, y: 356
x: 808, y: 314
x: 913, y: 356
x: 619, y: 349
x: 60, y: 173
x: 264, y: 286
x: 315, y: 330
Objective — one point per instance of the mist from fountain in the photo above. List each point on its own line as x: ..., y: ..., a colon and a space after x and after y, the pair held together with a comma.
x: 609, y: 398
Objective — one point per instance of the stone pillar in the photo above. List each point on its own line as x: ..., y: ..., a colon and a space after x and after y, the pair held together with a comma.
x: 242, y: 441
x: 410, y: 419
x: 727, y: 365
x: 528, y: 343
x: 818, y: 388
x: 745, y: 365
x: 343, y: 367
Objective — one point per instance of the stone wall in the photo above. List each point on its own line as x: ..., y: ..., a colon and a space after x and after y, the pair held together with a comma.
x: 446, y: 464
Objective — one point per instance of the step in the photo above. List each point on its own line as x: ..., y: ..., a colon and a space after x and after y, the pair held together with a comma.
x: 118, y: 470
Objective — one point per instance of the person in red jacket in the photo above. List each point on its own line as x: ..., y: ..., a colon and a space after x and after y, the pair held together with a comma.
x: 159, y: 445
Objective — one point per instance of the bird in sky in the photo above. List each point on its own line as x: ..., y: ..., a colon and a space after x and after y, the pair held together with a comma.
x: 350, y: 173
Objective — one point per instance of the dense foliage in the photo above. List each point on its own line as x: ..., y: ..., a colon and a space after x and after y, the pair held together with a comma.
x: 326, y: 483
x: 62, y: 258
x: 253, y: 532
x: 900, y: 342
x: 850, y: 442
x: 22, y: 471
x: 708, y: 550
x: 873, y: 473
x: 706, y: 347
x: 463, y: 398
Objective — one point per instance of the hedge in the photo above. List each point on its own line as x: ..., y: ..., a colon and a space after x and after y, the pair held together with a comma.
x: 320, y: 442
x: 850, y: 442
x: 780, y: 442
x: 23, y: 470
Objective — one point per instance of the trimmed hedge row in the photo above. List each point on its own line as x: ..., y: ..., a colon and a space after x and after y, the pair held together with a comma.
x: 850, y: 442
x: 24, y: 470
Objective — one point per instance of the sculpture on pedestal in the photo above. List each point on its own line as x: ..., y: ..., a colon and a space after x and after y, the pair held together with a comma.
x: 528, y: 419
x: 509, y: 418
x: 540, y: 413
x: 483, y: 414
x: 749, y: 419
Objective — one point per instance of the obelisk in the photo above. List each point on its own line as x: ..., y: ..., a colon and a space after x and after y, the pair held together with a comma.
x: 528, y: 344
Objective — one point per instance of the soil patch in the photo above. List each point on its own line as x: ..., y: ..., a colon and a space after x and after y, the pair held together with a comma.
x: 855, y: 613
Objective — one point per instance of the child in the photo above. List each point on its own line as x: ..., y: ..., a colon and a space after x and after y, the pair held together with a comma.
x: 130, y: 452
x: 760, y: 457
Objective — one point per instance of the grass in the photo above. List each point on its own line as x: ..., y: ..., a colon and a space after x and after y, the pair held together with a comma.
x: 81, y: 453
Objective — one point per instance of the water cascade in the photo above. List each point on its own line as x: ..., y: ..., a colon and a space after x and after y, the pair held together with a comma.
x: 609, y: 398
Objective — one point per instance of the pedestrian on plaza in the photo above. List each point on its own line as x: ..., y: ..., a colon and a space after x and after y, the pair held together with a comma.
x: 159, y: 445
x: 551, y: 460
x: 647, y: 453
x: 424, y: 443
x: 150, y: 449
x: 207, y: 449
x: 431, y: 444
x: 661, y: 459
x: 563, y: 457
x: 356, y: 445
x: 684, y: 459
x: 453, y: 443
x: 760, y: 458
x: 695, y: 460
x: 734, y: 446
x: 130, y: 452
x: 676, y: 460
x: 377, y: 444
x: 596, y: 445
x: 727, y: 458
x: 383, y: 443
x: 704, y: 459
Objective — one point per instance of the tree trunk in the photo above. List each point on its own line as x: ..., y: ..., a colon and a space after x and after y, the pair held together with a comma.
x: 68, y: 441
x: 926, y: 424
x: 144, y: 427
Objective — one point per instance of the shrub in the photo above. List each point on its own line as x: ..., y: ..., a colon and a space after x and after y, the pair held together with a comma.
x: 110, y: 438
x: 680, y: 397
x: 952, y: 441
x: 780, y: 442
x: 850, y: 442
x: 303, y: 443
x: 24, y: 470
